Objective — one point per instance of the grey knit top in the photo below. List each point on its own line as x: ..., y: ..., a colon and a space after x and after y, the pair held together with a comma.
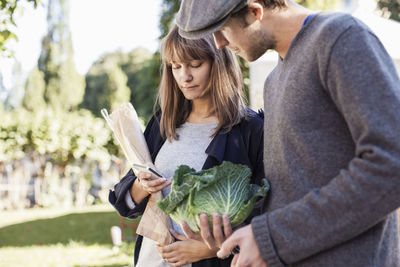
x: 194, y: 139
x: 332, y: 150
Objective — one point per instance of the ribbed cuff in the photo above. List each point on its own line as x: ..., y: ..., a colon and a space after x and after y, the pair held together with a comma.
x: 264, y: 241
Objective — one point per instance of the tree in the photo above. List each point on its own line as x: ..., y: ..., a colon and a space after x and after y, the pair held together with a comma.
x: 142, y: 70
x: 105, y: 86
x: 320, y: 4
x: 64, y: 86
x: 390, y: 9
x: 137, y: 67
x: 8, y: 8
x: 168, y: 11
x: 34, y: 91
x: 145, y: 91
x: 3, y: 90
x: 16, y: 94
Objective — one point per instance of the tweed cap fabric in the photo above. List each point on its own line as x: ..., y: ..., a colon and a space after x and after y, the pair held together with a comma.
x: 198, y: 18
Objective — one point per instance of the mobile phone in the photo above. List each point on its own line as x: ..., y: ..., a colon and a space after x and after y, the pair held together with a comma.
x: 154, y: 174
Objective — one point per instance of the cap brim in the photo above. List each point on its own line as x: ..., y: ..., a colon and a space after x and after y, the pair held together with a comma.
x: 204, y: 32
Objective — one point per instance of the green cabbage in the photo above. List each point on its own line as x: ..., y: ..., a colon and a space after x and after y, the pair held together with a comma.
x: 225, y: 189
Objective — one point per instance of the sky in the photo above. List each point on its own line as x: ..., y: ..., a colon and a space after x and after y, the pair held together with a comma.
x: 97, y: 27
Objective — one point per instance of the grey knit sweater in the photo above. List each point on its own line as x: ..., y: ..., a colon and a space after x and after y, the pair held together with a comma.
x: 332, y: 150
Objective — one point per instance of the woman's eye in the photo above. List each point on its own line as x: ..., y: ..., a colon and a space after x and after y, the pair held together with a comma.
x: 196, y: 65
x: 175, y: 67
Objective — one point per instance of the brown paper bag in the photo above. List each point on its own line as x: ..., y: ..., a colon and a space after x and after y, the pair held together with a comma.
x: 125, y: 124
x: 154, y: 224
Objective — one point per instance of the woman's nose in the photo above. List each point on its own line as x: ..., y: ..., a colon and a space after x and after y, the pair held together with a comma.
x: 187, y: 76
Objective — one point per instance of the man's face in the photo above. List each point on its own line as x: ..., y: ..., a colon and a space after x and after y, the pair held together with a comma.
x: 243, y: 40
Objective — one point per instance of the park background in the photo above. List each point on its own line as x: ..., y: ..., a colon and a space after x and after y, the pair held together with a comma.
x: 58, y: 158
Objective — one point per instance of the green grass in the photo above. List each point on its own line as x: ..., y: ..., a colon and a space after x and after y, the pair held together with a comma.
x: 54, y: 238
x: 70, y: 255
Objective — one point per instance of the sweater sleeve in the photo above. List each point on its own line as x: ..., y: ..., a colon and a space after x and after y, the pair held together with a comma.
x: 362, y: 82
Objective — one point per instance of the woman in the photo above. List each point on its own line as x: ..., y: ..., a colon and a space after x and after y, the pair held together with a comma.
x: 203, y: 121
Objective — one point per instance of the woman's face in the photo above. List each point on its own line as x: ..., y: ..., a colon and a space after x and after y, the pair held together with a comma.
x: 192, y: 78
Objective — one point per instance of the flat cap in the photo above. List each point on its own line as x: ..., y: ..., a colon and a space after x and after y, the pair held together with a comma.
x: 198, y: 18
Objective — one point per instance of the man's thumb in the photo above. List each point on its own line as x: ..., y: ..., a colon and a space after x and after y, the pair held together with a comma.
x: 227, y: 247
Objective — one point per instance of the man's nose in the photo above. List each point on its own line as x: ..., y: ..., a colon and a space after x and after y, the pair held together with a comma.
x: 220, y: 40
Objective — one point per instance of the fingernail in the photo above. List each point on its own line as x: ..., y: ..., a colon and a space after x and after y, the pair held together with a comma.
x: 219, y: 253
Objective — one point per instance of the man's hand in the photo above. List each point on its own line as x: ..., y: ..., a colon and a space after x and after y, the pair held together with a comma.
x: 219, y: 234
x: 220, y: 231
x: 249, y: 253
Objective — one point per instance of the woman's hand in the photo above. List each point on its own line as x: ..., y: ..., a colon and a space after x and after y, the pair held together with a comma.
x: 185, y: 251
x: 220, y: 230
x: 145, y: 185
x: 151, y: 185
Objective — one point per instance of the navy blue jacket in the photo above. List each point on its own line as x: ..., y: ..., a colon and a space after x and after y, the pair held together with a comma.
x: 243, y: 145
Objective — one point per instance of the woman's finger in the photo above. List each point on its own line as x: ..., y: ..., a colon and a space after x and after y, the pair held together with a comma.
x: 168, y: 248
x: 153, y: 186
x: 173, y: 261
x: 177, y: 236
x: 153, y: 182
x: 178, y: 264
x: 143, y: 175
x: 155, y: 189
x: 217, y: 230
x: 227, y: 226
x: 189, y: 233
x: 205, y: 231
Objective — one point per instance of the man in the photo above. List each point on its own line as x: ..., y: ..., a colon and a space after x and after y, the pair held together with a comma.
x: 332, y: 135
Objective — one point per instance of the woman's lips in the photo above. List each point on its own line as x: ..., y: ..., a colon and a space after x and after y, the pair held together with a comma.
x: 190, y: 87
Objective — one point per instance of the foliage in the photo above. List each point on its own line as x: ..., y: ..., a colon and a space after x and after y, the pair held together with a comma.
x: 7, y: 10
x: 64, y: 86
x: 225, y: 189
x: 143, y: 74
x: 138, y: 73
x: 244, y: 67
x: 168, y: 11
x: 62, y: 137
x: 105, y: 86
x: 144, y: 94
x: 390, y: 8
x: 34, y: 91
x: 319, y: 4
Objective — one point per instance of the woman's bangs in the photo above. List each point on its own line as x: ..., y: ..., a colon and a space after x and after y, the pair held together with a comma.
x: 183, y: 50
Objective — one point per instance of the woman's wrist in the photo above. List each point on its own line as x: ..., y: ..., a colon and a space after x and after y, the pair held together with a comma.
x: 137, y: 192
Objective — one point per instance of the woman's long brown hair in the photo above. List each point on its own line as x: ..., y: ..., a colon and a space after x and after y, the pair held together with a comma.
x: 225, y: 86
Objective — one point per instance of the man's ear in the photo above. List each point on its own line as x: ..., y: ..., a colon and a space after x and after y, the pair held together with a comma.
x: 257, y: 10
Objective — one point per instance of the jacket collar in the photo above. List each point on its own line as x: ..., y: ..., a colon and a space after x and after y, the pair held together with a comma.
x: 217, y: 146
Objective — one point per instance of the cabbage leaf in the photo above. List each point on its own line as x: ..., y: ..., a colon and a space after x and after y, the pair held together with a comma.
x: 224, y: 189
